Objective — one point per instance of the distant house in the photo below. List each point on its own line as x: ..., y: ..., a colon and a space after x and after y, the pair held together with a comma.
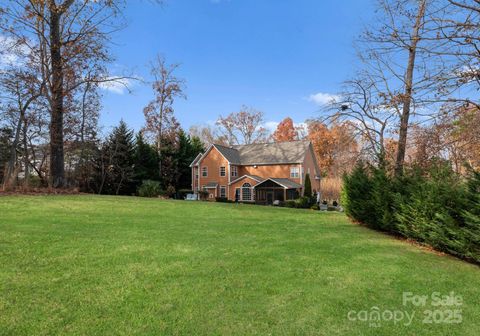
x: 260, y: 173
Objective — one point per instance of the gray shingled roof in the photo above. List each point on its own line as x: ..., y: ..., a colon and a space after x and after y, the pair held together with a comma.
x: 231, y: 154
x: 271, y: 153
x: 289, y: 184
x: 265, y: 153
x: 268, y: 153
x: 211, y: 185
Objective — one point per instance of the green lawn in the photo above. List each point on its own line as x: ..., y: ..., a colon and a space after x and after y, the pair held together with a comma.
x: 86, y: 265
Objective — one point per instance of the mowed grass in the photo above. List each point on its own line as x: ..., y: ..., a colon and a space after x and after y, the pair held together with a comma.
x: 85, y: 265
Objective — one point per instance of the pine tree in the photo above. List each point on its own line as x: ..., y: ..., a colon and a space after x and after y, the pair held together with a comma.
x: 308, y: 186
x: 188, y: 149
x: 117, y: 162
x: 146, y: 161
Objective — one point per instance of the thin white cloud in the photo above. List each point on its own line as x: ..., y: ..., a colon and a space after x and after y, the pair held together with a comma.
x: 322, y: 98
x: 116, y: 86
x: 271, y: 126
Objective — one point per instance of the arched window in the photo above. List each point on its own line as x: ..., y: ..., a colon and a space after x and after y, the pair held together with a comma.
x: 246, y: 192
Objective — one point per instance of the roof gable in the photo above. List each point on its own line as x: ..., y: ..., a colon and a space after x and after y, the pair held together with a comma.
x: 283, y: 182
x: 264, y: 153
x: 230, y: 153
x: 253, y: 177
x: 197, y: 158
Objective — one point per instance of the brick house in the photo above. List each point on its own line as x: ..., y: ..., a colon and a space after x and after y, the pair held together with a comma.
x: 260, y: 173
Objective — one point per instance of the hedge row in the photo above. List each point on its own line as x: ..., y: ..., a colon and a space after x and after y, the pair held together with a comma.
x: 435, y: 207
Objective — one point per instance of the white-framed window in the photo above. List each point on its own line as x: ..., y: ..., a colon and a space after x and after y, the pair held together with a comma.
x: 223, y: 171
x: 294, y: 172
x: 204, y: 171
x: 234, y: 171
x: 308, y: 171
x: 223, y: 191
x: 247, y: 192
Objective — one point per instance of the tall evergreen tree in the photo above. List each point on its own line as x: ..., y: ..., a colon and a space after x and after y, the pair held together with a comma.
x: 188, y: 149
x: 146, y: 161
x: 308, y: 186
x: 117, y: 162
x: 169, y: 160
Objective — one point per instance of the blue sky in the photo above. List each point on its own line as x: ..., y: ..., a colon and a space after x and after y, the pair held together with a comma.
x: 272, y: 55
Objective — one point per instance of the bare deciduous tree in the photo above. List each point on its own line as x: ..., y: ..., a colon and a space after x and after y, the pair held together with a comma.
x: 208, y: 135
x: 159, y: 113
x: 368, y: 111
x: 243, y: 127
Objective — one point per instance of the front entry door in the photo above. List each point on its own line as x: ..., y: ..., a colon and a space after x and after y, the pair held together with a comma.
x: 269, y: 197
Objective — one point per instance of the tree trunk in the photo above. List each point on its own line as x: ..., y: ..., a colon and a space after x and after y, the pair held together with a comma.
x: 407, y: 99
x: 57, y: 168
x: 26, y: 161
x: 159, y: 143
x: 12, y: 162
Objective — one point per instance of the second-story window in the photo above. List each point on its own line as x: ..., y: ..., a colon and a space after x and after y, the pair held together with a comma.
x: 234, y: 171
x: 223, y: 171
x: 294, y: 172
x: 204, y: 171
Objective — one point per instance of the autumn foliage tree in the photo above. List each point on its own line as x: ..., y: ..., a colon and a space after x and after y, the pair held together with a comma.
x: 336, y: 147
x: 285, y: 131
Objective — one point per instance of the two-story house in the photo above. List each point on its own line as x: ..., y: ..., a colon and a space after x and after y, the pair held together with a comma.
x: 260, y: 173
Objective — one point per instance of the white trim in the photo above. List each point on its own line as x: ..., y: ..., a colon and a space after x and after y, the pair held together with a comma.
x: 195, y: 160
x: 220, y: 171
x: 198, y: 180
x: 302, y: 171
x: 208, y: 150
x: 220, y: 190
x: 251, y: 189
x: 236, y: 171
x: 204, y: 154
x: 273, y: 180
x: 244, y: 176
x: 298, y: 172
x: 228, y: 181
